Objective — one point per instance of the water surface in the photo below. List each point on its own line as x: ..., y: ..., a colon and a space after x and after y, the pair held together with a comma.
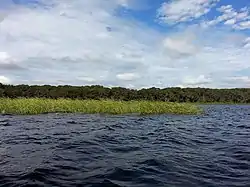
x: 130, y: 151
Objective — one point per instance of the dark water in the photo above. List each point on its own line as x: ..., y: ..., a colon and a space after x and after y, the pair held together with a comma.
x: 112, y: 151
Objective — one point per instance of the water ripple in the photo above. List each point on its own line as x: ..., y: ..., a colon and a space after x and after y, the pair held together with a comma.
x: 67, y: 150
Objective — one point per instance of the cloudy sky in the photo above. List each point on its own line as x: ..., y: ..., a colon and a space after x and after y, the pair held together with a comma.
x: 128, y: 43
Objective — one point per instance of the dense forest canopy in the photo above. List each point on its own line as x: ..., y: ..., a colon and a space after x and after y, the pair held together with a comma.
x: 175, y: 94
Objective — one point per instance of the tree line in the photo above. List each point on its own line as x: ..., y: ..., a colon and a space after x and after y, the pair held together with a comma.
x: 173, y: 94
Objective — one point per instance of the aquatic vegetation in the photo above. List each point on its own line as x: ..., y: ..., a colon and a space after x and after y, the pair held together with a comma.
x: 28, y: 106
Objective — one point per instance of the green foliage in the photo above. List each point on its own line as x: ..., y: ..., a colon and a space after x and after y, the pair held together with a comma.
x: 96, y: 92
x: 39, y: 105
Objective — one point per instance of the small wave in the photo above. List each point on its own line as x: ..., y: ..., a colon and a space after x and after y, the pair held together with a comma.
x: 151, y: 162
x: 106, y: 183
x: 39, y: 174
x: 72, y: 122
x: 123, y: 151
x: 5, y: 123
x: 241, y: 155
x: 126, y: 149
x: 67, y: 168
x: 124, y: 174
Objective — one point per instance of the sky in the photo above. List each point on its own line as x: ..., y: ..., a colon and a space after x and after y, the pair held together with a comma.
x: 128, y: 43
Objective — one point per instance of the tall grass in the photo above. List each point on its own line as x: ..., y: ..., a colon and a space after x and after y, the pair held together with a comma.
x: 23, y: 106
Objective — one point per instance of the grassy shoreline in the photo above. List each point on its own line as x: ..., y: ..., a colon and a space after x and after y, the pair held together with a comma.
x: 33, y: 106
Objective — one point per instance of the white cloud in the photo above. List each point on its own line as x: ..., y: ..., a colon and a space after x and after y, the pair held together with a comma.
x: 238, y: 81
x: 134, y: 4
x: 180, y: 45
x: 2, y: 16
x: 225, y: 8
x: 8, y: 63
x: 4, y: 80
x: 247, y: 43
x: 127, y: 76
x: 230, y: 22
x: 83, y: 42
x: 229, y: 16
x: 5, y: 57
x: 87, y: 79
x: 184, y: 10
x: 197, y: 81
x: 244, y: 25
x: 240, y: 78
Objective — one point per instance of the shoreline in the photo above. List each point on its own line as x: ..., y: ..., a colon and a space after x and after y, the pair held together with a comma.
x: 33, y: 106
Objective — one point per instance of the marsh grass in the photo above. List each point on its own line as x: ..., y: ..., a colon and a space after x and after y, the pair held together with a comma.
x: 31, y: 106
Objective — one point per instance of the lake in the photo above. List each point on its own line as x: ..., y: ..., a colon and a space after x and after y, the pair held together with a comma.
x: 212, y: 149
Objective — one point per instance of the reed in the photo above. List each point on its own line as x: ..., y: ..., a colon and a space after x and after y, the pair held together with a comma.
x: 32, y: 106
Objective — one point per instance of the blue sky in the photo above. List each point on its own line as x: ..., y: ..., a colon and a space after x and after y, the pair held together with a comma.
x: 129, y: 43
